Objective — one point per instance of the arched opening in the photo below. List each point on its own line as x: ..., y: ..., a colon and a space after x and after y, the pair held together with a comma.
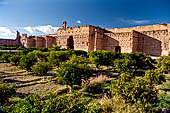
x: 70, y: 42
x: 118, y: 49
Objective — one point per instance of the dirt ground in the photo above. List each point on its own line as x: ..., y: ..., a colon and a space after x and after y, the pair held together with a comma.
x: 27, y: 83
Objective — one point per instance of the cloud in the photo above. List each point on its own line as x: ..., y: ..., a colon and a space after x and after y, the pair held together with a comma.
x: 78, y: 22
x: 135, y: 22
x: 41, y: 29
x: 6, y: 32
x: 10, y: 32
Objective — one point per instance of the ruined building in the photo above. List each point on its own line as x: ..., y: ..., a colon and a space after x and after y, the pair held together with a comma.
x: 11, y: 42
x: 153, y: 40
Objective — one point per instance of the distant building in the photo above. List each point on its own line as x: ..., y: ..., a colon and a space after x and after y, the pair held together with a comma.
x: 11, y: 42
x: 153, y: 40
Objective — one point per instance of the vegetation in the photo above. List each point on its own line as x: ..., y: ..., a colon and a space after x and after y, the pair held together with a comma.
x: 135, y: 80
x: 74, y: 71
x: 6, y: 91
x: 41, y: 68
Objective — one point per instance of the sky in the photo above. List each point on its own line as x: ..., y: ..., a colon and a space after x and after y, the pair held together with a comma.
x: 39, y: 17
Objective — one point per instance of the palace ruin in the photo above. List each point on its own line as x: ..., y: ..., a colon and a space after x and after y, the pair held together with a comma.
x: 153, y: 40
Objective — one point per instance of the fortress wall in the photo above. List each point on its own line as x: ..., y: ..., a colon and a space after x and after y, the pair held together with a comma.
x: 50, y: 41
x: 154, y: 43
x: 31, y: 42
x: 80, y: 36
x: 141, y: 28
x: 124, y: 40
x: 40, y: 42
x: 99, y: 39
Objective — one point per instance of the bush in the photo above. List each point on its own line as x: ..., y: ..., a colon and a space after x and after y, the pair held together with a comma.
x: 30, y: 104
x: 135, y: 90
x: 14, y: 59
x: 57, y: 57
x: 64, y: 104
x: 163, y: 64
x: 27, y: 61
x: 131, y: 62
x: 102, y: 58
x: 41, y: 68
x: 124, y: 65
x: 74, y: 71
x: 5, y: 57
x: 6, y: 91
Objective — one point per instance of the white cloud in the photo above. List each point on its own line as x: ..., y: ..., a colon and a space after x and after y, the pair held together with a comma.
x: 138, y: 22
x: 29, y: 29
x: 10, y: 32
x: 43, y: 29
x: 78, y: 22
x: 6, y: 32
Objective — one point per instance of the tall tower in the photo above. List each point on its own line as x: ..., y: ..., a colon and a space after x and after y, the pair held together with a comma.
x: 64, y: 25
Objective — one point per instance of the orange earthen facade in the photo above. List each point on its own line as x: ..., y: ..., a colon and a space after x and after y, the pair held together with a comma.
x: 153, y: 40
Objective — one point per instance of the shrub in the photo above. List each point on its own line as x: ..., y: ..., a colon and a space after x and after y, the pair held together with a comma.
x: 6, y: 91
x: 163, y: 64
x: 154, y: 77
x: 27, y: 61
x: 102, y: 58
x: 74, y: 71
x: 5, y: 57
x: 163, y: 102
x: 57, y: 57
x: 41, y: 68
x: 71, y: 104
x: 65, y: 104
x: 124, y: 65
x: 30, y: 104
x: 131, y: 62
x: 135, y: 90
x: 14, y: 59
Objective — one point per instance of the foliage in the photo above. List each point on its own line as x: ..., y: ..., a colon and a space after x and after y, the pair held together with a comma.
x: 57, y: 57
x: 5, y: 57
x: 163, y: 102
x: 74, y: 71
x: 56, y: 48
x: 6, y: 91
x: 30, y: 104
x: 131, y: 62
x: 102, y: 58
x: 154, y: 77
x: 65, y: 104
x: 41, y: 68
x: 27, y: 61
x: 70, y: 104
x: 135, y: 90
x: 163, y: 64
x: 14, y: 59
x: 124, y: 65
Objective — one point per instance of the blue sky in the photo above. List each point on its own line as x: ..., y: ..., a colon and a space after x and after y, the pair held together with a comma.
x: 36, y: 17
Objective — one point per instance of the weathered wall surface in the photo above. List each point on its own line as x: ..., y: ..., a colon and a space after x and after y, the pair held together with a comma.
x: 80, y: 37
x: 141, y: 28
x: 153, y: 39
x: 10, y: 42
x: 124, y: 40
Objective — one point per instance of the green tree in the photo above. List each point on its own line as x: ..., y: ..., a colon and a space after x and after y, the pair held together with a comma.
x: 74, y: 71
